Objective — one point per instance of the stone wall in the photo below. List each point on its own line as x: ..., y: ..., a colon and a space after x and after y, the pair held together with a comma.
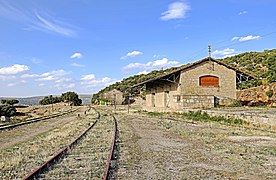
x: 261, y: 95
x: 193, y: 101
x: 160, y: 97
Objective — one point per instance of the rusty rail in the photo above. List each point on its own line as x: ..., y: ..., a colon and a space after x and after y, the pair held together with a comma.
x: 32, y: 120
x: 60, y: 154
x: 107, y: 168
x: 64, y: 151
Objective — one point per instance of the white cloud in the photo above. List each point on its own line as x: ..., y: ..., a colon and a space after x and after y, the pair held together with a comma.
x: 90, y: 80
x: 243, y: 12
x: 11, y: 84
x: 235, y: 38
x: 41, y: 84
x: 29, y: 75
x: 56, y: 75
x: 22, y: 82
x: 151, y: 65
x: 106, y: 80
x: 224, y: 53
x: 249, y: 38
x: 88, y: 77
x: 156, y: 56
x: 52, y: 25
x: 246, y: 38
x: 132, y: 54
x: 176, y: 10
x: 35, y: 21
x: 59, y: 72
x: 7, y: 78
x: 76, y: 55
x: 15, y: 69
x: 62, y: 80
x: 77, y: 65
x: 65, y: 86
x: 47, y: 78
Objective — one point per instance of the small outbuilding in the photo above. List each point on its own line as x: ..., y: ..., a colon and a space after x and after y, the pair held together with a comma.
x: 114, y: 96
x: 204, y: 83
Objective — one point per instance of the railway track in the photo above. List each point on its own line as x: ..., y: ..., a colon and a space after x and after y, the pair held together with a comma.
x: 88, y: 156
x: 33, y: 120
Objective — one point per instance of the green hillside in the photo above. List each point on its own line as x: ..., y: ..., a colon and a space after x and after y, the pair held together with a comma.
x: 259, y: 64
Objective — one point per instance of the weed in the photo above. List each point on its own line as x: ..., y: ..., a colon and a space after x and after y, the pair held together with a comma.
x: 269, y: 93
x: 155, y: 113
x: 203, y: 116
x: 164, y: 124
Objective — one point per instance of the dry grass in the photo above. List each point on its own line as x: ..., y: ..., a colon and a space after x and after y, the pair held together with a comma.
x: 21, y: 158
x: 158, y: 147
x: 88, y: 159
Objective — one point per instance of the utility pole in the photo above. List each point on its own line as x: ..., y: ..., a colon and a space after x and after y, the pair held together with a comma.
x: 212, y: 65
x: 114, y: 94
x: 209, y: 50
x: 128, y: 102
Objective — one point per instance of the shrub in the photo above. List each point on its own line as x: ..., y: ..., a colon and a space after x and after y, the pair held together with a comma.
x: 7, y: 110
x: 9, y: 101
x: 269, y: 93
x: 203, y: 116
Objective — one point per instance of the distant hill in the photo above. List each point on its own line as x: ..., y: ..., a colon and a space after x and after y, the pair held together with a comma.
x: 86, y: 99
x: 258, y: 64
x: 28, y: 100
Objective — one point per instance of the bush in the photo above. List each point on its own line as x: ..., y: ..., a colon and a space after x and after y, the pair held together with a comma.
x: 269, y: 93
x: 7, y: 110
x: 50, y: 100
x: 203, y: 116
x: 71, y: 97
x: 235, y: 103
x: 9, y: 101
x: 248, y: 84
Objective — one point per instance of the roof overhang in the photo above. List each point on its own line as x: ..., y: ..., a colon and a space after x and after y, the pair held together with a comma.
x: 241, y: 76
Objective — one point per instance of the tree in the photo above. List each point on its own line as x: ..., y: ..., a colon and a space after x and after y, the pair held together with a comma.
x: 7, y: 110
x: 9, y: 101
x: 72, y: 98
x: 50, y: 100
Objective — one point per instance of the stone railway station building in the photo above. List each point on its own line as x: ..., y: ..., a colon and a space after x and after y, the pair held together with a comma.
x: 205, y: 83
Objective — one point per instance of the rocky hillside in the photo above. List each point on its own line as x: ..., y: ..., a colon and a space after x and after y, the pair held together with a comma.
x: 258, y: 96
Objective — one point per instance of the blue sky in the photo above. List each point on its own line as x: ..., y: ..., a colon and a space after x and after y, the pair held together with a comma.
x: 51, y: 47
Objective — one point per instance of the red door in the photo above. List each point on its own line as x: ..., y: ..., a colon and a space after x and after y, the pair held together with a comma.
x: 209, y: 81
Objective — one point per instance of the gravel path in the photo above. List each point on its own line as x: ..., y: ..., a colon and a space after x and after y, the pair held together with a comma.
x: 26, y: 132
x: 158, y: 148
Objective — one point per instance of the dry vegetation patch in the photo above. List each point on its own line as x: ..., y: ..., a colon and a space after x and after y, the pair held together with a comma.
x: 88, y: 159
x: 157, y: 147
x: 19, y: 159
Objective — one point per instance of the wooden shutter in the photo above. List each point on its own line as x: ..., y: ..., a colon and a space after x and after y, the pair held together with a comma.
x: 209, y: 81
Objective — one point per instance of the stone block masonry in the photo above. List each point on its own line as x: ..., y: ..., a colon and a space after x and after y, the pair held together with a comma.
x: 194, y: 101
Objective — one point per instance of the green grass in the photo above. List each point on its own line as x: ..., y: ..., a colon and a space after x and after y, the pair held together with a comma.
x: 203, y: 116
x: 154, y: 114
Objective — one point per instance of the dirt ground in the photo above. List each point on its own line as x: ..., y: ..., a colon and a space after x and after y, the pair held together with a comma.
x: 151, y: 147
x: 29, y: 131
x: 39, y: 110
x: 159, y: 148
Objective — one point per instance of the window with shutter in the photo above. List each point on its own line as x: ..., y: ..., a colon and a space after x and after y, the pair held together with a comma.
x: 209, y: 81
